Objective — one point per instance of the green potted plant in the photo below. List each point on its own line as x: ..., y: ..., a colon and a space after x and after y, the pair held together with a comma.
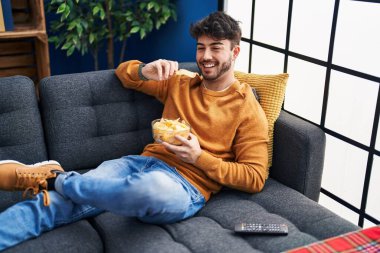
x: 85, y: 25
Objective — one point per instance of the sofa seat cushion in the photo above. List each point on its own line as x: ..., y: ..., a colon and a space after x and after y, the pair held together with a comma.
x: 211, y: 230
x: 76, y: 237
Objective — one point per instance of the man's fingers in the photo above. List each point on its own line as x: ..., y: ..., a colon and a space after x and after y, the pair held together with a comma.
x: 183, y: 140
x: 169, y: 68
x: 166, y: 68
x: 161, y: 69
x: 192, y: 136
x: 189, y: 151
x: 158, y: 67
x: 173, y: 148
x: 173, y: 67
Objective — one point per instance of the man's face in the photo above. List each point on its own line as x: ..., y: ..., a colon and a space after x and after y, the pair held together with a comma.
x: 214, y: 57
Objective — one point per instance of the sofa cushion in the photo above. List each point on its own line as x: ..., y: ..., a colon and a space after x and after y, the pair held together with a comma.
x: 271, y: 90
x: 89, y: 118
x: 76, y: 237
x: 21, y: 135
x: 211, y: 230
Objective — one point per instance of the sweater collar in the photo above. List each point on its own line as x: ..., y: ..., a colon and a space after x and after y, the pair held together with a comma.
x: 235, y: 86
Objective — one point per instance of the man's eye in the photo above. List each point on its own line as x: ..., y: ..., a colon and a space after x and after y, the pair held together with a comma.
x: 200, y: 48
x: 216, y: 48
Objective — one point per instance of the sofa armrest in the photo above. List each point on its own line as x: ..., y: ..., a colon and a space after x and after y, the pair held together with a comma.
x: 298, y: 155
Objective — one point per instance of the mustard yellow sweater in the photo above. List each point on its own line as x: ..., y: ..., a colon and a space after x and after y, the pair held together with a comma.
x: 230, y: 125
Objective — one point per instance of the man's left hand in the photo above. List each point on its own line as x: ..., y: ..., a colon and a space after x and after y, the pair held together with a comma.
x: 189, y: 151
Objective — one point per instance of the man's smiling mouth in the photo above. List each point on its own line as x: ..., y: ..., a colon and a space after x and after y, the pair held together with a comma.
x: 208, y: 65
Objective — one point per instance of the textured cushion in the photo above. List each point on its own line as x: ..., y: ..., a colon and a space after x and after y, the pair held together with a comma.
x: 271, y: 90
x: 21, y: 135
x: 76, y: 237
x: 211, y: 230
x: 90, y: 118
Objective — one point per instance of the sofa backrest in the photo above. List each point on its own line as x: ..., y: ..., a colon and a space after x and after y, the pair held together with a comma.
x: 21, y: 134
x: 90, y: 117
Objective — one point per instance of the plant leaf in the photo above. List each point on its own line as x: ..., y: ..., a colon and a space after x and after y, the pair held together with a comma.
x: 70, y: 51
x: 61, y: 8
x: 158, y: 24
x: 142, y: 33
x: 79, y: 29
x: 135, y: 29
x: 72, y: 25
x: 150, y: 5
x: 67, y: 11
x: 92, y: 38
x: 67, y: 45
x: 95, y: 10
x: 157, y: 7
x: 102, y: 14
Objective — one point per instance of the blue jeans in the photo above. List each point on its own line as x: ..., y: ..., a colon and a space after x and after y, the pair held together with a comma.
x: 133, y: 186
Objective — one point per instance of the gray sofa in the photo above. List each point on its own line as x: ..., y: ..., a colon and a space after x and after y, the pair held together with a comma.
x: 84, y: 119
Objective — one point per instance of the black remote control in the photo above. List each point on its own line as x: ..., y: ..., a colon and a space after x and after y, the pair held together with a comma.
x: 264, y: 229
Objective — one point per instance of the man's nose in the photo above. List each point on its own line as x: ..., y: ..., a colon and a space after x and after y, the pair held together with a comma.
x: 207, y: 54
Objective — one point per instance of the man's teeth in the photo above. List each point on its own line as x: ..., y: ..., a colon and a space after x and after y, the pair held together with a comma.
x: 209, y: 65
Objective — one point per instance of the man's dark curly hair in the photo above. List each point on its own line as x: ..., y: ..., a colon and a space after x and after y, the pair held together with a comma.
x: 217, y: 25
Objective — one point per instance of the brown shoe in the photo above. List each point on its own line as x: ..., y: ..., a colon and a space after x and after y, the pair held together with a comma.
x: 32, y: 179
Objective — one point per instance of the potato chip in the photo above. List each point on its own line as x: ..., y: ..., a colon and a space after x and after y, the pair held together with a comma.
x: 167, y: 129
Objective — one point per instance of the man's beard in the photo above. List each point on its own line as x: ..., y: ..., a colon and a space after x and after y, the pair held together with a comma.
x: 224, y: 68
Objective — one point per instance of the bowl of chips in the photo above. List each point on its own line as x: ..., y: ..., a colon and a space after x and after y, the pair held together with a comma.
x: 166, y: 130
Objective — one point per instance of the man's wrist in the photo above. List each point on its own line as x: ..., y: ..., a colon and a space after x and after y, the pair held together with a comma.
x: 141, y: 76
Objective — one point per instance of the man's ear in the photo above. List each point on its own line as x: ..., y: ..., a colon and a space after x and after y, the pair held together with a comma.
x: 235, y: 51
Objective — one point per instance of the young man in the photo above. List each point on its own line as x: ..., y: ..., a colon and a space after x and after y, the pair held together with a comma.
x: 167, y: 183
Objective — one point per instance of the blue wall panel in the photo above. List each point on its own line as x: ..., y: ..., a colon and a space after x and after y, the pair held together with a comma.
x: 172, y: 41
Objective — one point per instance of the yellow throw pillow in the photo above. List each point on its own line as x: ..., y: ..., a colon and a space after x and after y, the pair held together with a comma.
x: 271, y: 91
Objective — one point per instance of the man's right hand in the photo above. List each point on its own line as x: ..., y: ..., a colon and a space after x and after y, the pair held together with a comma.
x: 159, y: 70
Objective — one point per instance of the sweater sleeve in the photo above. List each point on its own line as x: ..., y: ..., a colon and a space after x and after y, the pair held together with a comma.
x: 127, y: 72
x: 249, y: 170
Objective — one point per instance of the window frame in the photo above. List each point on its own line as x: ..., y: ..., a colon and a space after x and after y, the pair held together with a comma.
x: 370, y: 149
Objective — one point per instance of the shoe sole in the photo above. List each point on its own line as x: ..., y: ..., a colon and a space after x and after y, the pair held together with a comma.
x: 49, y: 162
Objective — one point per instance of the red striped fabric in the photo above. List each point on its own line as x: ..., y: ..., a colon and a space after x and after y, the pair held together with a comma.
x: 366, y: 240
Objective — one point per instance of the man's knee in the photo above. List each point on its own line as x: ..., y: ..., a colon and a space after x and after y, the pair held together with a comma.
x: 165, y: 191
